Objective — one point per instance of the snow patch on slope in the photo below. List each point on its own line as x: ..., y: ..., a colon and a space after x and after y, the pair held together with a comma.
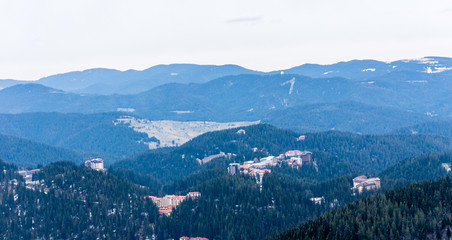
x: 175, y: 133
x: 429, y: 61
x: 292, y: 82
x: 125, y: 110
x: 417, y: 81
x: 183, y: 112
x: 436, y: 69
x: 369, y: 70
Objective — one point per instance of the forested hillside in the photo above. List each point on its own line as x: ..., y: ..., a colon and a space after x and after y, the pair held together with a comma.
x: 233, y: 207
x: 418, y: 211
x: 67, y: 201
x: 344, y: 116
x: 92, y: 133
x: 336, y: 153
x: 26, y: 153
x: 230, y: 207
x: 72, y: 202
x: 443, y: 128
x: 420, y: 168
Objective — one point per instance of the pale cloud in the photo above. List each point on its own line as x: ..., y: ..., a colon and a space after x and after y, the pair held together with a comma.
x: 245, y: 19
x: 40, y: 38
x: 447, y: 10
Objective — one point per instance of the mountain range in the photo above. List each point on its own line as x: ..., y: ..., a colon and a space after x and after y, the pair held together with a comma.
x: 110, y: 81
x: 359, y: 96
x: 156, y: 130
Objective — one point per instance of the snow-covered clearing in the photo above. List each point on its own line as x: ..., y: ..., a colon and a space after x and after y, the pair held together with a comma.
x: 175, y: 133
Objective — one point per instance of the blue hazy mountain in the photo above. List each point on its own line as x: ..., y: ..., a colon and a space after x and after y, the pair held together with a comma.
x: 405, y: 93
x: 4, y: 83
x: 443, y: 128
x: 367, y: 69
x: 403, y: 98
x: 110, y: 81
x: 34, y: 97
x: 346, y: 116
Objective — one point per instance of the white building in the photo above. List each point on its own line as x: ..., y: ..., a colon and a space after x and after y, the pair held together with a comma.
x: 362, y: 182
x: 95, y: 164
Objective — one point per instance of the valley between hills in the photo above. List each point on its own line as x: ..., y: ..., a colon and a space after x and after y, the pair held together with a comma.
x: 352, y: 150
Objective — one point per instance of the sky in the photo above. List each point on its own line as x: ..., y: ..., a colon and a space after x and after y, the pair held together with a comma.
x: 46, y: 37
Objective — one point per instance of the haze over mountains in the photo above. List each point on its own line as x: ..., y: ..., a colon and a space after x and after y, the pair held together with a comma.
x: 157, y: 131
x: 359, y: 96
x: 342, y: 96
x: 110, y: 81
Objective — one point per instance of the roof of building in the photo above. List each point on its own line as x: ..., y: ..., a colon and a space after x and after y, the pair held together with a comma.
x: 154, y: 198
x: 245, y: 166
x: 294, y: 152
x: 168, y: 211
x: 361, y: 178
x: 267, y: 158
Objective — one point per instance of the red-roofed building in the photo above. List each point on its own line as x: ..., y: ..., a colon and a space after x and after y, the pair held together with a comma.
x: 293, y: 153
x: 245, y: 166
x: 167, y: 212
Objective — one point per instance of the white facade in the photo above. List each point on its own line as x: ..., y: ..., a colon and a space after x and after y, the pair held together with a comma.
x: 95, y: 164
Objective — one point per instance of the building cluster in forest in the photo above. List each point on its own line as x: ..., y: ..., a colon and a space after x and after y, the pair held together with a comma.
x: 258, y: 168
x: 361, y: 183
x: 167, y: 203
x: 28, y: 178
x: 294, y: 158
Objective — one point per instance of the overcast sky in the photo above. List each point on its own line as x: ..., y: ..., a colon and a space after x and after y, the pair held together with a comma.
x: 40, y: 38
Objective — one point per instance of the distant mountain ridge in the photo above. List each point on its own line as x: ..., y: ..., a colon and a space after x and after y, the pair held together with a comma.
x: 244, y: 96
x: 4, y: 83
x: 362, y: 96
x: 111, y: 81
x: 367, y: 69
